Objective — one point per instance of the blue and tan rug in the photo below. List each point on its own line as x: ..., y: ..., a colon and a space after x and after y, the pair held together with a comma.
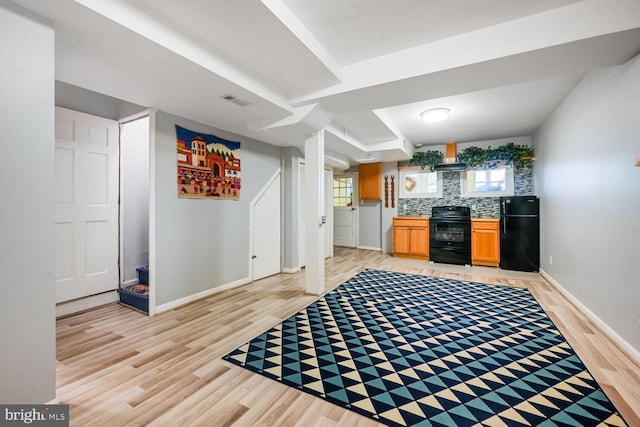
x: 423, y: 351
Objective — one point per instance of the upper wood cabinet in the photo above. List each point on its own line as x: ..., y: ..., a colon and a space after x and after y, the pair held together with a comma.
x: 485, y: 241
x: 369, y: 181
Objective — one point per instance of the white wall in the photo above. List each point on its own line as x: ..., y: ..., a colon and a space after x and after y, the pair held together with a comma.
x: 590, y: 196
x: 134, y: 200
x: 27, y: 237
x: 80, y: 99
x: 290, y: 208
x: 369, y: 223
x: 203, y: 244
x: 389, y: 169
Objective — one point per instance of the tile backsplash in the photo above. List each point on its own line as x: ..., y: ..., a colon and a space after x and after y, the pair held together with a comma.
x: 485, y: 206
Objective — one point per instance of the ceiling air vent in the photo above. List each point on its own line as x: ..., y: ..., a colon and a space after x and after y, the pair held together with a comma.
x: 235, y: 100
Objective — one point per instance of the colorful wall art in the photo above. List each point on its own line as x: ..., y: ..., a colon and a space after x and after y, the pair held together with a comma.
x: 208, y: 166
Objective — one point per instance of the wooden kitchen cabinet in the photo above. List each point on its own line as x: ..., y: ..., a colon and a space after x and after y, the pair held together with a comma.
x: 485, y: 241
x: 369, y: 181
x: 411, y: 237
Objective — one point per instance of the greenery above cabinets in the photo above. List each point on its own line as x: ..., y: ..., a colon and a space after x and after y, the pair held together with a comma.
x: 427, y: 158
x: 518, y: 155
x: 476, y: 157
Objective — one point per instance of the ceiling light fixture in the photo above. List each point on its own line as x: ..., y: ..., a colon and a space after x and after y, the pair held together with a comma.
x: 434, y: 115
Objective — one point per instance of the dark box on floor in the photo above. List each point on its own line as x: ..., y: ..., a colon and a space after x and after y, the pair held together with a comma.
x: 136, y: 296
x: 143, y: 275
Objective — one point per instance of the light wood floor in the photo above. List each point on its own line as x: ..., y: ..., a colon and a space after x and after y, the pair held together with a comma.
x: 118, y: 367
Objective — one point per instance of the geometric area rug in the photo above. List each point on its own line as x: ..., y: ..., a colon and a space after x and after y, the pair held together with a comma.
x: 410, y: 350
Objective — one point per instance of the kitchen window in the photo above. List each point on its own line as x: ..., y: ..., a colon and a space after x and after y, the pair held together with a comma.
x: 487, y: 183
x: 418, y: 183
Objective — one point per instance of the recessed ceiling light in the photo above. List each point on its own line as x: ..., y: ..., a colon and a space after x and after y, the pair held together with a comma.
x: 434, y: 115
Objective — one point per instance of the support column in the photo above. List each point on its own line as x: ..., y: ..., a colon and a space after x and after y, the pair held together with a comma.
x: 313, y: 214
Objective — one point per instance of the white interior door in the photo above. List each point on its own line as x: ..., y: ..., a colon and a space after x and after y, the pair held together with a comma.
x: 345, y: 214
x: 328, y: 211
x: 328, y: 203
x: 266, y: 232
x: 86, y: 203
x: 301, y: 228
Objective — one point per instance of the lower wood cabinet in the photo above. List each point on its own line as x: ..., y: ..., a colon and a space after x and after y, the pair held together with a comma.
x: 411, y: 237
x: 485, y: 241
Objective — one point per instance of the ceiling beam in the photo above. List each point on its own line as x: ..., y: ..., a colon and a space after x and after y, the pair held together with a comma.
x: 157, y: 29
x: 562, y: 26
x: 302, y: 33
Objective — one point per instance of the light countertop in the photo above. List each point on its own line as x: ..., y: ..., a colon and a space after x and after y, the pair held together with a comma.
x: 482, y: 219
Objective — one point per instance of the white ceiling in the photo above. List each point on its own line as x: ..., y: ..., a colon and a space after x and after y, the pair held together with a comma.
x: 363, y: 69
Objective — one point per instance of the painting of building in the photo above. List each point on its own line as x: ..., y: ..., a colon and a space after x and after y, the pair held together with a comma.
x: 208, y: 166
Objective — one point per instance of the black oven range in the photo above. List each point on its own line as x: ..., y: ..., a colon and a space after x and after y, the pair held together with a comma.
x: 450, y: 235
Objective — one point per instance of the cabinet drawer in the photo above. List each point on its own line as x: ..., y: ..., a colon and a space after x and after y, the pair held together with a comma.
x: 409, y: 222
x: 485, y: 225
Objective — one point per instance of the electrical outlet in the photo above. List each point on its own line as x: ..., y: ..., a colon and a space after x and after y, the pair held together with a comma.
x: 474, y: 208
x: 550, y: 260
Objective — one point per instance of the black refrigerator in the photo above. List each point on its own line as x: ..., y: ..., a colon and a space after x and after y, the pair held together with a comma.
x: 520, y: 233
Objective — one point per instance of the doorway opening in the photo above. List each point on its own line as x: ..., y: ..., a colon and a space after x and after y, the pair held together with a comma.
x: 134, y: 212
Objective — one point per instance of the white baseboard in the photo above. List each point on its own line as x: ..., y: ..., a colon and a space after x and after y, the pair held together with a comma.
x: 191, y: 298
x: 370, y: 248
x: 129, y: 283
x: 55, y: 401
x: 87, y: 303
x: 291, y: 270
x: 627, y: 348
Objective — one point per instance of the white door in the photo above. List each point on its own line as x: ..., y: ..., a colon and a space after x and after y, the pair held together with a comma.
x: 86, y: 203
x: 266, y: 232
x: 328, y: 227
x: 345, y: 214
x: 328, y: 211
x: 301, y: 228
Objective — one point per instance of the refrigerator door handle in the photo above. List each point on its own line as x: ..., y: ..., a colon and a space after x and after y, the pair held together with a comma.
x: 504, y: 224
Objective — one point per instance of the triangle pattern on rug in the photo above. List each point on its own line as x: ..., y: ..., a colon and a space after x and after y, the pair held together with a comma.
x: 406, y: 349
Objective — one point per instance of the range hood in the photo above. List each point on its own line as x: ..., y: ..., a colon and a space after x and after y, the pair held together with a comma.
x: 452, y: 167
x: 450, y: 161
